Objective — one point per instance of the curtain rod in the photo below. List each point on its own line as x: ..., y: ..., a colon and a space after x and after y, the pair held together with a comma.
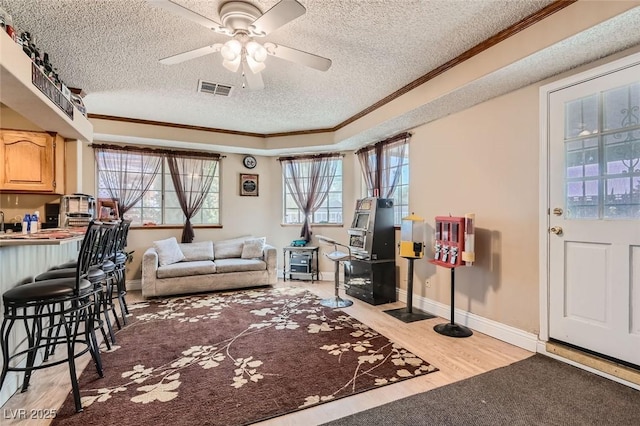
x: 311, y: 156
x: 395, y: 138
x: 157, y: 151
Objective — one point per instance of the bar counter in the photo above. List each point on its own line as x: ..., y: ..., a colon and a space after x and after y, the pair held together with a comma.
x: 45, y: 237
x: 21, y: 258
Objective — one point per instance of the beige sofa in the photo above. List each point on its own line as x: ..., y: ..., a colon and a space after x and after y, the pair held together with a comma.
x: 170, y: 268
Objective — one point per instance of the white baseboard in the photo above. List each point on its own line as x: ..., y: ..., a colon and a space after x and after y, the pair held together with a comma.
x: 489, y: 327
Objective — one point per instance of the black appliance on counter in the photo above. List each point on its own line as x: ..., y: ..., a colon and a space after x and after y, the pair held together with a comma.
x: 51, y: 216
x: 13, y: 227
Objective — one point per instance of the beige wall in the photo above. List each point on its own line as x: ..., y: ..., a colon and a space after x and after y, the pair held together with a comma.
x: 484, y: 160
x: 9, y: 119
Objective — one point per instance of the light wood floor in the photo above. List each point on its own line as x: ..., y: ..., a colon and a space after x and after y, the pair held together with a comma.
x: 456, y: 359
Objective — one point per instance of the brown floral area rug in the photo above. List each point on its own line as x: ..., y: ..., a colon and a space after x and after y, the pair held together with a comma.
x: 235, y: 358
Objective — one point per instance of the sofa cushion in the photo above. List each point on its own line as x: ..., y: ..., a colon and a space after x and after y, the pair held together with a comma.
x: 252, y: 248
x: 184, y: 269
x: 168, y: 251
x: 226, y: 249
x: 239, y: 265
x: 197, y: 251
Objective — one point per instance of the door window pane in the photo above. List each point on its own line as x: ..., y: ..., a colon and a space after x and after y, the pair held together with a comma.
x: 582, y: 200
x: 602, y: 157
x: 581, y: 117
x: 619, y: 105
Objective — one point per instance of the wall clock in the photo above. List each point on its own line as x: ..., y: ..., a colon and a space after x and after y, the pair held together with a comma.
x: 249, y: 161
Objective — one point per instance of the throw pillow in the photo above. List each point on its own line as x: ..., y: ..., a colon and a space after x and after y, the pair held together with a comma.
x: 197, y: 251
x: 253, y: 248
x: 227, y: 249
x: 168, y: 251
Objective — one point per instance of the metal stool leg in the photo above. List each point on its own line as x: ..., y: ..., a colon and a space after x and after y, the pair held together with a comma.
x: 336, y: 301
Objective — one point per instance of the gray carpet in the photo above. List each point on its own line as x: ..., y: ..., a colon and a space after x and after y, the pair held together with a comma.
x: 535, y: 391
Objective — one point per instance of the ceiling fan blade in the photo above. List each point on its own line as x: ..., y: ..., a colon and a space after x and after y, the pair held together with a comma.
x: 192, y: 54
x: 280, y: 14
x: 298, y: 56
x: 253, y: 81
x: 187, y: 14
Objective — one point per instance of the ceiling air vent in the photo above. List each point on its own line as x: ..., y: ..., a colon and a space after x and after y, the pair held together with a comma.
x: 214, y: 88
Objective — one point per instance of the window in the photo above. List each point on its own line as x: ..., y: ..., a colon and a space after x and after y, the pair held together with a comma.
x: 399, y: 159
x: 330, y: 211
x: 602, y: 149
x: 121, y: 172
x: 385, y: 169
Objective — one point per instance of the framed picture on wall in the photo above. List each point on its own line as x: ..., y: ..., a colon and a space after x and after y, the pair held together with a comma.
x: 248, y: 184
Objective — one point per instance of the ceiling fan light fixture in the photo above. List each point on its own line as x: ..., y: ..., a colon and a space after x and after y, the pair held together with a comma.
x: 255, y: 66
x: 242, y: 21
x: 233, y: 65
x: 231, y: 50
x: 256, y: 51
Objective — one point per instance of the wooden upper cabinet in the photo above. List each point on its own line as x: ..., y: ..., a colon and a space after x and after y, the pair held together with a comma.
x: 31, y: 161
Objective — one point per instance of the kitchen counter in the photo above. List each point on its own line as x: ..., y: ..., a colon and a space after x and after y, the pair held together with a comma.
x: 23, y: 256
x: 44, y: 237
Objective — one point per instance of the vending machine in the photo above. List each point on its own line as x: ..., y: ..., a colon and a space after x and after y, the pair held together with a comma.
x: 371, y: 276
x: 372, y: 234
x: 454, y: 246
x: 454, y: 241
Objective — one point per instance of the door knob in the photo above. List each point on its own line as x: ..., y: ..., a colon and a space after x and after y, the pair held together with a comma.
x: 556, y: 230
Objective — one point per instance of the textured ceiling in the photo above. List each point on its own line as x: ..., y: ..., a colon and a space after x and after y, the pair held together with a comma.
x: 110, y: 49
x: 593, y: 44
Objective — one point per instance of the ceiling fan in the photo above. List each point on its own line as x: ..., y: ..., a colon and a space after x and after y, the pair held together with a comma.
x: 244, y: 23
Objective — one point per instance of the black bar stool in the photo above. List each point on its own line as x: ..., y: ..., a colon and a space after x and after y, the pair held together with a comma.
x: 101, y: 275
x: 120, y: 260
x: 53, y: 312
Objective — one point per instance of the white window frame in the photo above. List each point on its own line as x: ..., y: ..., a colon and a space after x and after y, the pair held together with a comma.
x: 288, y: 205
x: 168, y: 201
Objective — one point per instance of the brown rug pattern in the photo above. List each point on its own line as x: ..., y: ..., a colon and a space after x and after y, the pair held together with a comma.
x: 235, y: 358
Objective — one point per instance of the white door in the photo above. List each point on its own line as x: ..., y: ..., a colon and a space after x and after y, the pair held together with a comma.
x: 594, y: 217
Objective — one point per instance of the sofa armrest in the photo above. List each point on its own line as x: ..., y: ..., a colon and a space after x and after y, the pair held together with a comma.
x: 149, y: 272
x: 270, y: 256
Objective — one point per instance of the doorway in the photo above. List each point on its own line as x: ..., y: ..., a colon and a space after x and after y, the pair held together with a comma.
x: 590, y: 198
